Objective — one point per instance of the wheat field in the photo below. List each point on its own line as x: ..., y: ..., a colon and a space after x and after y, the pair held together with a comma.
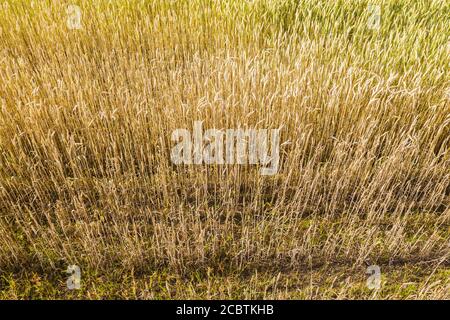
x: 86, y: 178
